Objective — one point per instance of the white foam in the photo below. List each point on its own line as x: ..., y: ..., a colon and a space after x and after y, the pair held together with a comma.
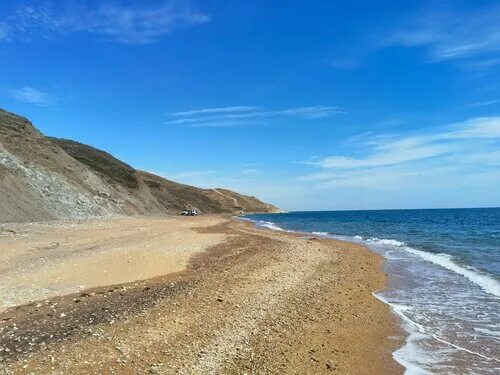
x: 321, y: 233
x: 382, y: 241
x: 409, y: 355
x: 270, y: 225
x: 487, y: 283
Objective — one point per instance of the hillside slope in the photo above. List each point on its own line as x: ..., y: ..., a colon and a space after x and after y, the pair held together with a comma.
x: 43, y: 178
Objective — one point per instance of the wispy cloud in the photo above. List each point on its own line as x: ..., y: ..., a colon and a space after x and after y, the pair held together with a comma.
x: 249, y: 171
x: 464, y: 149
x: 390, y: 154
x: 484, y: 104
x: 247, y: 115
x: 34, y: 96
x: 4, y: 31
x: 476, y: 128
x: 222, y: 124
x: 213, y: 118
x: 314, y: 112
x: 205, y: 111
x: 111, y: 21
x: 451, y: 34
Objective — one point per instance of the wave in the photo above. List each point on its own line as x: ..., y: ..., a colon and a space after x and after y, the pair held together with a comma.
x: 382, y: 241
x: 409, y: 356
x: 413, y: 355
x: 487, y: 283
x: 269, y: 225
x: 262, y: 223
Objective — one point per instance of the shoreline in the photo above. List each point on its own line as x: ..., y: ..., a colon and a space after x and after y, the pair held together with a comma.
x: 406, y: 329
x: 257, y: 300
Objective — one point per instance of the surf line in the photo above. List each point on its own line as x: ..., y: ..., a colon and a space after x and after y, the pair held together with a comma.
x: 421, y: 329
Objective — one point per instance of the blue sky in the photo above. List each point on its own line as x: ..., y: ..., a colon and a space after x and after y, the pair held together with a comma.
x: 306, y: 104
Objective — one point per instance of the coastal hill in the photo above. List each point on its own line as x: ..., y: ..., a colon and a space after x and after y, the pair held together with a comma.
x: 44, y: 178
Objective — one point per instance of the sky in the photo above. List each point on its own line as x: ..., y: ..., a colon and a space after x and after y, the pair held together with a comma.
x: 310, y: 105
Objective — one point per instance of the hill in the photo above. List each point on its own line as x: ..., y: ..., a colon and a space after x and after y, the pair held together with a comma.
x: 43, y: 178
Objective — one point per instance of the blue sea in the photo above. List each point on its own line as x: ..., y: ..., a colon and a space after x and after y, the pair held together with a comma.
x: 444, y: 278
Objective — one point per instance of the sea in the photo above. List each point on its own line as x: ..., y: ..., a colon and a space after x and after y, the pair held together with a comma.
x: 443, y: 269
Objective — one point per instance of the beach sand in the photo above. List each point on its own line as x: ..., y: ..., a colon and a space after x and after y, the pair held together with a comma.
x: 201, y: 295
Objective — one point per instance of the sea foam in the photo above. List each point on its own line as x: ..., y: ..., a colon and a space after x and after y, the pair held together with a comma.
x: 270, y: 225
x: 324, y: 234
x: 382, y: 241
x: 487, y: 283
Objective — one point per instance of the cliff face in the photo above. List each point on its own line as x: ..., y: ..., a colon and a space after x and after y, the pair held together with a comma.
x: 43, y: 178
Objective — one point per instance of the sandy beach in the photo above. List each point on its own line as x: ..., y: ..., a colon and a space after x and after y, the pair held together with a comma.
x: 177, y: 295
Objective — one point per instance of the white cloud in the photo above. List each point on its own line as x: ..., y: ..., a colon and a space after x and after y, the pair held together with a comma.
x: 489, y: 158
x: 421, y: 181
x: 318, y: 111
x: 34, y: 96
x: 390, y: 156
x: 482, y: 127
x: 379, y: 178
x: 450, y: 34
x: 463, y: 150
x: 112, y: 21
x: 222, y: 124
x: 392, y: 151
x: 221, y: 117
x: 247, y: 115
x: 219, y: 110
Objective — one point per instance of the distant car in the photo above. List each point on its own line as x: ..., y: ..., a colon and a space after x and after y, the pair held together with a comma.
x: 190, y: 213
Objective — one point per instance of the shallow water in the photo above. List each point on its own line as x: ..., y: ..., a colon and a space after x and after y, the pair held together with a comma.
x: 444, y: 278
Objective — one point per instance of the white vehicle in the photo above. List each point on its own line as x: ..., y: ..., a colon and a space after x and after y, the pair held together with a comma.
x: 189, y: 213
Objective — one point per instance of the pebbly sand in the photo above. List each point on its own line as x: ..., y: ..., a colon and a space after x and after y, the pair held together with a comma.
x: 176, y: 295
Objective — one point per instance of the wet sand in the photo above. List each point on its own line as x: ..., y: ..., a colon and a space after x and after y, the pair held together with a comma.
x: 217, y: 297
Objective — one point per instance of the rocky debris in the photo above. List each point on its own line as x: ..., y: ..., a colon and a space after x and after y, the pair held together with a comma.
x: 59, y: 319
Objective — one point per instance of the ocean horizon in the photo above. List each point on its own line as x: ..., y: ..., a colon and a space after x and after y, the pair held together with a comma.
x: 443, y: 267
x: 396, y: 209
